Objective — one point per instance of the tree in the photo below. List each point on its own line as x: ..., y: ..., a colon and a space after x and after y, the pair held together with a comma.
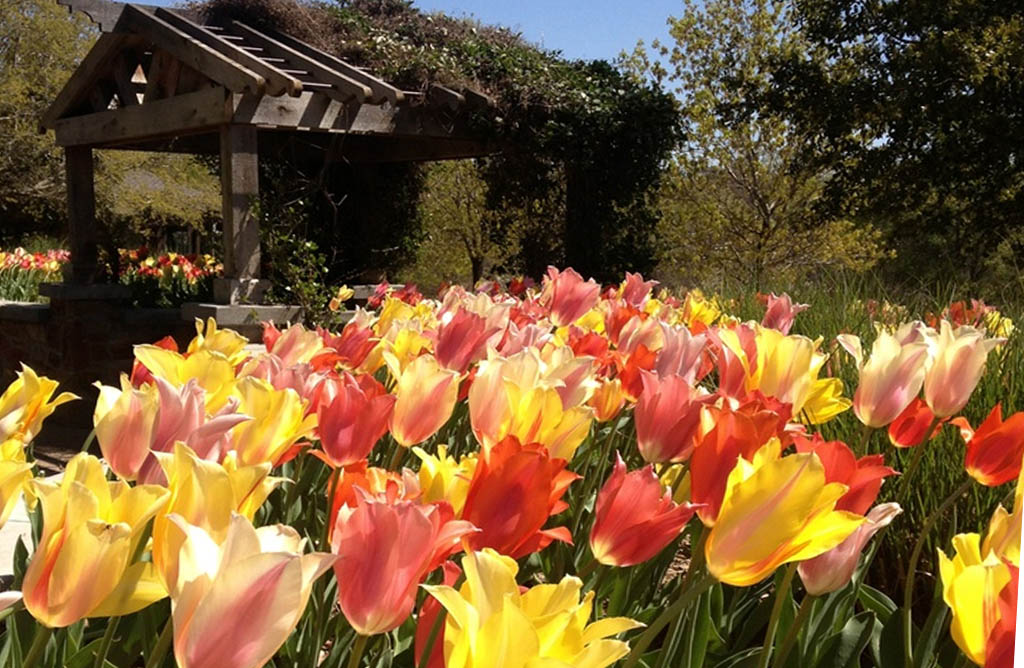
x: 917, y: 110
x: 739, y: 201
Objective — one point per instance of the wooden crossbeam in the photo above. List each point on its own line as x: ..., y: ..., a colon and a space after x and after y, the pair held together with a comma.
x: 278, y: 82
x: 381, y: 90
x: 344, y: 88
x: 234, y: 76
x: 123, y: 69
x: 178, y: 115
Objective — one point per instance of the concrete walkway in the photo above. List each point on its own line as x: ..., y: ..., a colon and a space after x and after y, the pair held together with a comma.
x: 17, y: 526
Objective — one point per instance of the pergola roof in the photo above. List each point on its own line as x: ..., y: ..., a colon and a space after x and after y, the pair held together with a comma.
x: 159, y: 79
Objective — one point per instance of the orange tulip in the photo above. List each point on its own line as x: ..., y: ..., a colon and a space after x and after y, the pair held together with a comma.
x: 1000, y: 647
x: 515, y: 488
x: 425, y: 398
x: 384, y: 552
x: 667, y: 418
x: 737, y: 432
x: 995, y: 450
x: 635, y: 517
x: 608, y: 400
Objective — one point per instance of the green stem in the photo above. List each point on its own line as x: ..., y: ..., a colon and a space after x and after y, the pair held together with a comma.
x: 89, y: 440
x: 908, y: 592
x: 794, y: 630
x: 38, y: 648
x: 588, y: 568
x: 865, y: 436
x: 163, y: 643
x: 396, y: 459
x: 686, y: 598
x: 325, y: 536
x: 908, y: 475
x: 773, y: 622
x: 108, y: 638
x: 357, y: 651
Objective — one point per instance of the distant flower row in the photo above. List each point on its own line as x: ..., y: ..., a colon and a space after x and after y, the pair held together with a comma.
x: 133, y: 262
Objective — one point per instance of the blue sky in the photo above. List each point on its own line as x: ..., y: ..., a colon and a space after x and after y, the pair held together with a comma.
x: 578, y: 28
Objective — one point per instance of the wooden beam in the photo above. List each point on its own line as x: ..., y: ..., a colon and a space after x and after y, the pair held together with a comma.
x: 162, y: 77
x: 239, y: 183
x: 79, y: 171
x: 442, y: 96
x: 82, y: 81
x: 191, y: 52
x: 345, y: 88
x: 176, y: 115
x: 381, y: 91
x: 319, y: 113
x: 278, y: 83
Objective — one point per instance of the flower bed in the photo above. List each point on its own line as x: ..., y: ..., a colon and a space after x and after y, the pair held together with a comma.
x: 567, y: 476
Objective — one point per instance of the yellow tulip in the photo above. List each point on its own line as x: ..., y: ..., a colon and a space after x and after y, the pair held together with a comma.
x: 787, y: 368
x: 442, y: 478
x: 490, y: 623
x: 227, y: 342
x: 205, y: 494
x: 775, y: 511
x: 26, y: 403
x: 425, y: 398
x: 971, y: 583
x: 234, y: 602
x: 14, y: 473
x: 278, y: 421
x: 212, y: 370
x: 90, y: 529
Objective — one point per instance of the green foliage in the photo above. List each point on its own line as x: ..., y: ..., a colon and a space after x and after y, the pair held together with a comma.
x: 916, y: 108
x: 737, y: 199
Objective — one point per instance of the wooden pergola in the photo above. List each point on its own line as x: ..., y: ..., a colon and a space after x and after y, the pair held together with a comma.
x: 161, y: 80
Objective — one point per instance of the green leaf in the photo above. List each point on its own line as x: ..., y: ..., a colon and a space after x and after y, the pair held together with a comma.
x: 843, y: 649
x: 745, y: 659
x: 695, y: 642
x: 876, y: 602
x: 890, y: 642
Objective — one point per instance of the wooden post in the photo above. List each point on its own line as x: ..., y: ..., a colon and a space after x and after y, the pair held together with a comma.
x: 239, y: 183
x: 81, y: 213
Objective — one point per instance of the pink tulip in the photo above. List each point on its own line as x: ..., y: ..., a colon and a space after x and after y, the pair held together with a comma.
x: 667, y: 417
x: 956, y: 368
x: 463, y: 339
x: 425, y: 398
x: 353, y: 422
x: 682, y: 353
x: 568, y: 296
x: 385, y: 551
x: 635, y: 290
x: 635, y: 517
x: 833, y: 570
x: 889, y: 380
x: 781, y: 312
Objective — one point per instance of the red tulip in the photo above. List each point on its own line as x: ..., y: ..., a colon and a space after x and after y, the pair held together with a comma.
x: 635, y: 517
x: 353, y: 422
x: 908, y: 429
x: 667, y: 418
x: 385, y: 550
x: 463, y: 339
x: 515, y: 488
x: 862, y: 476
x: 995, y: 450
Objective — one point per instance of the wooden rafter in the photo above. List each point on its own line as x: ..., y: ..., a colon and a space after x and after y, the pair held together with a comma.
x: 83, y: 81
x: 341, y: 87
x: 278, y: 82
x: 381, y: 91
x: 233, y: 76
